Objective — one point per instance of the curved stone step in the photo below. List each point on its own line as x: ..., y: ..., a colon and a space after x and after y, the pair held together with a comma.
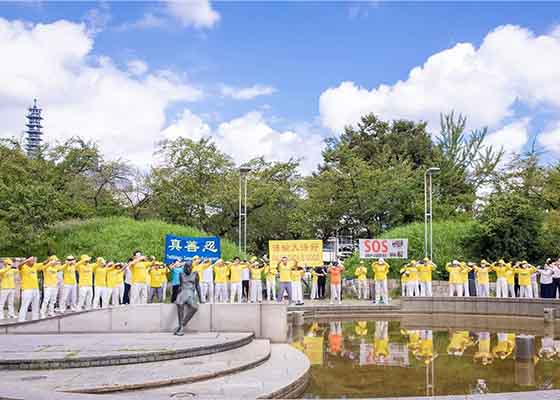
x: 96, y: 350
x: 145, y: 376
x: 284, y: 375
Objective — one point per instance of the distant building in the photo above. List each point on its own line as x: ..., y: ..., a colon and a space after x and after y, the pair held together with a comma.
x: 33, y: 133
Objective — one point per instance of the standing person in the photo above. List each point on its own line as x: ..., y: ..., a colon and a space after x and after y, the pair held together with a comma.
x: 70, y: 289
x: 8, y: 288
x: 465, y: 269
x: 85, y: 282
x: 246, y: 278
x: 404, y: 280
x: 100, y: 293
x: 482, y: 279
x: 321, y: 282
x: 524, y: 272
x: 314, y: 284
x: 336, y: 282
x: 139, y: 271
x: 361, y: 275
x: 222, y: 271
x: 29, y: 288
x: 297, y: 288
x: 207, y: 285
x: 426, y: 268
x: 455, y: 280
x: 534, y: 284
x: 176, y: 269
x: 500, y: 269
x: 510, y: 279
x: 112, y: 286
x: 547, y: 285
x: 50, y: 285
x: 186, y: 300
x: 472, y: 279
x: 157, y: 273
x: 127, y: 282
x: 235, y: 270
x: 380, y: 271
x: 556, y: 279
x: 270, y: 271
x: 256, y: 282
x: 285, y: 271
x: 411, y: 269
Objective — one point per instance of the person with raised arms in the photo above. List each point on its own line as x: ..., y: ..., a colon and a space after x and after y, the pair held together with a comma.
x: 482, y: 279
x: 235, y: 270
x: 361, y: 276
x: 297, y: 287
x: 285, y: 271
x: 157, y: 273
x: 500, y: 269
x: 50, y: 285
x: 255, y: 289
x: 100, y: 293
x: 29, y: 288
x: 426, y: 269
x: 139, y: 283
x: 70, y: 287
x: 524, y: 270
x: 335, y: 272
x: 113, y: 271
x: 85, y: 282
x: 380, y: 271
x: 270, y: 271
x: 8, y: 287
x: 221, y: 291
x: 455, y: 280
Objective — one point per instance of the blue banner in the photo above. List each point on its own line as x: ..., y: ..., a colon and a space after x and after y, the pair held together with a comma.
x: 185, y: 248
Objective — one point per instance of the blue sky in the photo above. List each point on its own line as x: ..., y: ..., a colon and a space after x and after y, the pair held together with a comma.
x: 300, y: 50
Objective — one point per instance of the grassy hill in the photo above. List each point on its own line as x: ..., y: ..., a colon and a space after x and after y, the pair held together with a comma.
x: 115, y: 238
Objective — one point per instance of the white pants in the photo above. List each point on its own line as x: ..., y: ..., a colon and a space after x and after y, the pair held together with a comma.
x: 511, y: 289
x: 207, y: 291
x: 403, y: 288
x: 501, y: 287
x: 271, y: 289
x: 164, y: 288
x: 120, y: 286
x: 483, y: 290
x: 235, y: 291
x: 60, y: 287
x: 526, y: 292
x: 297, y: 292
x: 29, y: 296
x: 100, y: 293
x: 412, y: 288
x: 466, y: 291
x: 69, y: 296
x: 336, y: 290
x: 7, y: 296
x: 535, y: 287
x: 255, y: 290
x: 113, y: 296
x: 49, y: 300
x: 456, y: 288
x: 381, y: 291
x: 221, y: 295
x: 139, y: 293
x: 426, y: 289
x: 85, y: 296
x: 314, y: 291
x: 363, y: 289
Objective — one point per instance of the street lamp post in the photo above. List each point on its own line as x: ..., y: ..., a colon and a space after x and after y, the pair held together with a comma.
x: 428, y: 210
x: 242, y: 242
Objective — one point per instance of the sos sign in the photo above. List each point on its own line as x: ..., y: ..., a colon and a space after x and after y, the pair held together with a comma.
x: 386, y: 248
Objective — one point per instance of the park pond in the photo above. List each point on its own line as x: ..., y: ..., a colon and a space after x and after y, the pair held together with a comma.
x: 380, y: 358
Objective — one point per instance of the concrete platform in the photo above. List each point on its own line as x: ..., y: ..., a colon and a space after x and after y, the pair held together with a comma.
x: 284, y: 375
x: 89, y: 350
x: 143, y: 376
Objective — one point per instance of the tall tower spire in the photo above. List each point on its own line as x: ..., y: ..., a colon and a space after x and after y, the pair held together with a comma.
x: 33, y: 132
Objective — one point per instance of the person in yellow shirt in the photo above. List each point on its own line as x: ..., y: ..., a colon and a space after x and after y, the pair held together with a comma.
x: 455, y: 280
x: 460, y: 341
x: 425, y: 269
x: 297, y: 287
x: 404, y: 280
x: 484, y: 355
x: 29, y: 288
x: 381, y: 341
x: 85, y: 282
x: 70, y: 286
x: 255, y: 289
x: 8, y: 287
x: 361, y: 276
x: 112, y: 283
x: 221, y: 272
x: 100, y: 293
x: 139, y: 272
x: 510, y: 279
x: 500, y: 268
x: 270, y: 272
x: 202, y: 267
x: 157, y: 273
x: 505, y: 346
x: 524, y: 272
x: 314, y: 295
x: 285, y: 271
x: 425, y: 351
x: 50, y: 285
x: 465, y: 269
x: 482, y: 279
x: 411, y: 269
x: 235, y: 270
x: 380, y: 271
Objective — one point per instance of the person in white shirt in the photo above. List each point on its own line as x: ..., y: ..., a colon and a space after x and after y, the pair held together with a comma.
x: 556, y: 280
x: 547, y: 284
x: 207, y: 285
x: 245, y: 279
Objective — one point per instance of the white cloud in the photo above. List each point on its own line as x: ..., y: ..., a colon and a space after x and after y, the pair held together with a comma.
x: 137, y: 67
x: 550, y: 139
x: 82, y: 95
x: 148, y: 21
x: 196, y: 13
x: 250, y: 136
x: 247, y: 93
x: 511, y: 138
x: 511, y: 65
x: 97, y: 19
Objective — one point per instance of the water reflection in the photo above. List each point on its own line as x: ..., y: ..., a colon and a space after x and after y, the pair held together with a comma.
x: 380, y: 358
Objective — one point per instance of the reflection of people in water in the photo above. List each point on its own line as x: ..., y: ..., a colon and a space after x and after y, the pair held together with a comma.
x: 381, y: 341
x: 505, y: 345
x: 484, y: 355
x: 335, y: 338
x: 360, y: 328
x: 460, y: 341
x: 413, y: 339
x: 547, y: 351
x: 425, y: 352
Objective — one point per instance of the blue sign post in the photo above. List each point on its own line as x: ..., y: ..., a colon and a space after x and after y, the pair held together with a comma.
x: 185, y: 248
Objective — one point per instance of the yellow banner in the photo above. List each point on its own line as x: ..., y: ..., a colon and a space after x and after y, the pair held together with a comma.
x: 306, y: 252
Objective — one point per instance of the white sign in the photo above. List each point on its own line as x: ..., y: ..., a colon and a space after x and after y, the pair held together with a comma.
x: 386, y: 248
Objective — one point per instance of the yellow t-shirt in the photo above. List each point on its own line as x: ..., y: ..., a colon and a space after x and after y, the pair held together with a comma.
x: 285, y: 273
x: 465, y: 273
x: 235, y: 273
x: 69, y: 275
x: 381, y: 347
x: 50, y: 275
x: 380, y: 271
x: 29, y: 276
x: 361, y: 273
x: 482, y: 275
x: 270, y: 272
x: 8, y: 275
x: 412, y: 271
x: 525, y: 275
x: 140, y: 271
x: 510, y: 276
x: 85, y: 271
x: 426, y: 272
x: 454, y: 274
x: 112, y: 277
x: 221, y: 272
x: 100, y: 276
x: 314, y: 276
x: 256, y: 273
x: 157, y: 277
x: 297, y: 274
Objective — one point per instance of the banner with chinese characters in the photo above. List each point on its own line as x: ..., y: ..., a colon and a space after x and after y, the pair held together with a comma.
x: 306, y: 252
x: 385, y: 248
x: 185, y: 248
